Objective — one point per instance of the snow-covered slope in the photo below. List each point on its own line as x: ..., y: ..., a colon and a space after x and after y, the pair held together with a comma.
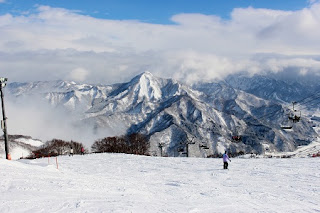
x: 174, y: 114
x: 302, y: 151
x: 19, y: 146
x: 127, y: 183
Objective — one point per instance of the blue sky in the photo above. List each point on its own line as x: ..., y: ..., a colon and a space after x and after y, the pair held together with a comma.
x: 151, y: 11
x: 200, y: 40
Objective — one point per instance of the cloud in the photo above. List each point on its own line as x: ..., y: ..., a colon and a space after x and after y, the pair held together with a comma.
x: 2, y: 1
x: 56, y: 43
x: 79, y: 74
x: 313, y: 1
x: 36, y: 118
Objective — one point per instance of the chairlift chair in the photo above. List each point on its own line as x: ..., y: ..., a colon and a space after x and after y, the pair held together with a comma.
x: 293, y: 116
x: 236, y: 138
x: 203, y: 146
x: 180, y: 149
x: 286, y: 127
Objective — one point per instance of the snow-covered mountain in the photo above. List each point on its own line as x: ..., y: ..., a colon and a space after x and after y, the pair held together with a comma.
x: 277, y: 88
x: 210, y: 117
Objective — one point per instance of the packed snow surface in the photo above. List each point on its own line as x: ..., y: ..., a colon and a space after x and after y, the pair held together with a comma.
x: 128, y: 183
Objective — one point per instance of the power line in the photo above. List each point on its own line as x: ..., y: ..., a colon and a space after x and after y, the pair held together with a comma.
x: 313, y: 104
x: 302, y: 100
x: 310, y: 101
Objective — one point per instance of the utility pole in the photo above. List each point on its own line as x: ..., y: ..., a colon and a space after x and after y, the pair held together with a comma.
x: 293, y: 103
x: 187, y: 149
x: 160, y: 147
x: 4, y: 123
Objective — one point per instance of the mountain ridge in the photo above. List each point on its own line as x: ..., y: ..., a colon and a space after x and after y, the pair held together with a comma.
x: 174, y: 114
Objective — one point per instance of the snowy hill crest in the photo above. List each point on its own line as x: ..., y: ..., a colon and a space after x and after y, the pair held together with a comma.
x: 20, y: 145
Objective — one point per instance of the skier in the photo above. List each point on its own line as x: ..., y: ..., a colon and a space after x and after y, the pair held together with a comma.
x: 71, y: 151
x: 82, y: 151
x: 225, y: 158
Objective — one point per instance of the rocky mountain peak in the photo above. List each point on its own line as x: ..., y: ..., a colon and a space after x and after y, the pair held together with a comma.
x: 173, y: 113
x: 147, y: 86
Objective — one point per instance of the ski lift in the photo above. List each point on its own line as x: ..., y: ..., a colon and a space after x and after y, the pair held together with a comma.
x: 236, y: 138
x: 286, y: 127
x: 203, y: 146
x: 192, y: 141
x: 180, y: 149
x: 293, y: 116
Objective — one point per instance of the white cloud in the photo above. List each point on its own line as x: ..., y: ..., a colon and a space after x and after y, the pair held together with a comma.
x: 313, y: 1
x: 79, y: 74
x: 38, y: 119
x: 56, y: 43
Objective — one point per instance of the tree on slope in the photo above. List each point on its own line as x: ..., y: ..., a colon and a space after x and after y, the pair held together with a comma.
x: 130, y: 144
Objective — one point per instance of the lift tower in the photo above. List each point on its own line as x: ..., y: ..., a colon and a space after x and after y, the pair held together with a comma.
x: 4, y: 121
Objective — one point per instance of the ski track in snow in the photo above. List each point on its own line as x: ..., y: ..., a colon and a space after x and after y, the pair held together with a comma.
x: 128, y: 183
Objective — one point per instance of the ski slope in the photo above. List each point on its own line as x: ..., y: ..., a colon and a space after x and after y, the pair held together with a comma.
x: 128, y: 183
x: 300, y: 152
x: 312, y: 148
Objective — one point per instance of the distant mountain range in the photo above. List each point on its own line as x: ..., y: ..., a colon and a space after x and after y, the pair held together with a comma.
x: 240, y: 114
